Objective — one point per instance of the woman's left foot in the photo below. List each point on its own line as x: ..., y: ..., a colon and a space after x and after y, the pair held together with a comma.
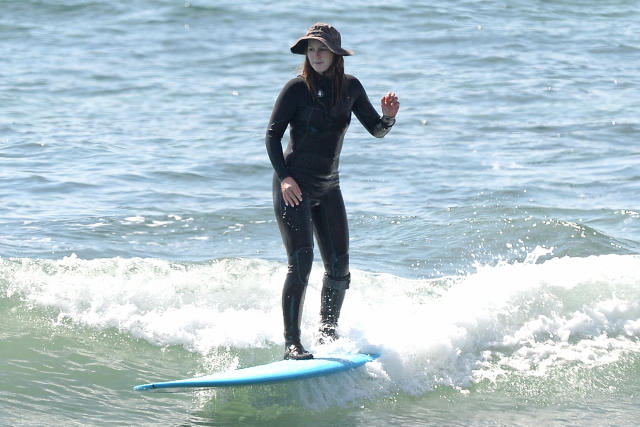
x: 328, y: 334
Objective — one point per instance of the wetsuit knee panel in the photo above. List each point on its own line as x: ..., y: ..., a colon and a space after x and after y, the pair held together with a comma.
x: 337, y: 274
x: 300, y: 263
x: 338, y: 266
x: 336, y: 283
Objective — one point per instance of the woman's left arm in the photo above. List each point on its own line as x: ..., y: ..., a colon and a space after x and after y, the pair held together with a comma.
x: 369, y: 117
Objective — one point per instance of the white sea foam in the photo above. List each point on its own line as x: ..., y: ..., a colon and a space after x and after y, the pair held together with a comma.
x: 523, y: 318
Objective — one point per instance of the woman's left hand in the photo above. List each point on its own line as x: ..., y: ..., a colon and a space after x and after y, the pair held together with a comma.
x: 390, y: 104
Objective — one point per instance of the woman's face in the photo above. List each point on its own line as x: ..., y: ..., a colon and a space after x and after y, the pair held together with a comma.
x: 319, y: 55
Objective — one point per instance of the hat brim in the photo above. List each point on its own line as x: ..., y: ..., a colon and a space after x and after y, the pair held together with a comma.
x: 300, y: 46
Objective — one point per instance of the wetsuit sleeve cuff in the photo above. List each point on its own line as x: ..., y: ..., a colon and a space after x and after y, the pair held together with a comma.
x: 283, y: 176
x: 388, y: 121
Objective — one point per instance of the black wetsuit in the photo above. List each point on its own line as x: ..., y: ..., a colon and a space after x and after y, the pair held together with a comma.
x: 317, y: 129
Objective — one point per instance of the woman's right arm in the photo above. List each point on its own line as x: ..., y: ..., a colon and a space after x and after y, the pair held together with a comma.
x: 281, y: 115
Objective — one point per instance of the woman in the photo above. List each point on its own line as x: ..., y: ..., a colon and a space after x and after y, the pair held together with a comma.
x: 317, y: 106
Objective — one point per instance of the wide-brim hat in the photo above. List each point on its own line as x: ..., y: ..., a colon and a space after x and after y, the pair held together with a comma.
x: 325, y: 33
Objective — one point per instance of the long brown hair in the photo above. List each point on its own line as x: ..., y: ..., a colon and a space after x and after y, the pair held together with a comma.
x: 335, y: 74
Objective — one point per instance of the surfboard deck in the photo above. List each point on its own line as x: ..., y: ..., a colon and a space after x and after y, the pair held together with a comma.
x: 283, y: 370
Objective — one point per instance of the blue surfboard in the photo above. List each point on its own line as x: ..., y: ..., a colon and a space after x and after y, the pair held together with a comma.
x: 283, y: 370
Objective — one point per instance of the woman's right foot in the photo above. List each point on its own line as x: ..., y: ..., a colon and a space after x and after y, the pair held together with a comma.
x: 297, y: 352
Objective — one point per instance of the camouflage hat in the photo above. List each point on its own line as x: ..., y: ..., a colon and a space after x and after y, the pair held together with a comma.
x: 326, y: 34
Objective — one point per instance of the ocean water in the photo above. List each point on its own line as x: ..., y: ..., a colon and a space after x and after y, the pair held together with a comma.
x: 495, y: 232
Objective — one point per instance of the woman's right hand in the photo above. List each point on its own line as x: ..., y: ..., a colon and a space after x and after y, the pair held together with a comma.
x: 291, y: 192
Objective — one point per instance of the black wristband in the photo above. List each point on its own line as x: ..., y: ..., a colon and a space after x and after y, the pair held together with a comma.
x: 388, y: 121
